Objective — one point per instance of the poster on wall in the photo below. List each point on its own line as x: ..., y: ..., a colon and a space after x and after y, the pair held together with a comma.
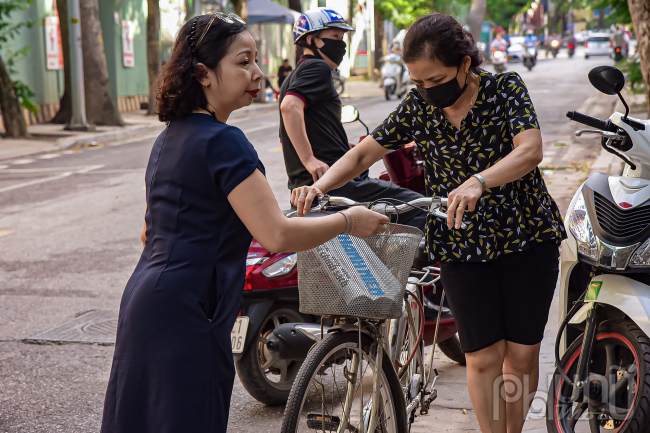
x: 127, y: 44
x: 53, y: 50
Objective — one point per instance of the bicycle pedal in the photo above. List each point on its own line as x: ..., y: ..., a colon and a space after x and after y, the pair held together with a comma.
x: 318, y: 421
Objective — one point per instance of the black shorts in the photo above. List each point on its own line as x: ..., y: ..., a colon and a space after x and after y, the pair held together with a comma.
x: 505, y: 299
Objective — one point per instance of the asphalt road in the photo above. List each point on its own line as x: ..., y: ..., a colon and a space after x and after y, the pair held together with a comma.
x: 69, y: 240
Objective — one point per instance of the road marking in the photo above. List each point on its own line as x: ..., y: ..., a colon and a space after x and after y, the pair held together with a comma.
x: 133, y: 140
x: 3, y: 166
x: 22, y: 161
x: 51, y: 178
x: 49, y: 156
x: 36, y: 170
x: 5, y: 232
x: 276, y: 149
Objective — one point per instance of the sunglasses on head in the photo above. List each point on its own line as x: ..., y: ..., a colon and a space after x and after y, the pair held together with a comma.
x: 227, y: 18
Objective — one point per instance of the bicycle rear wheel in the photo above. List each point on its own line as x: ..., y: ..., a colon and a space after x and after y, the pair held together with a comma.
x: 326, y: 393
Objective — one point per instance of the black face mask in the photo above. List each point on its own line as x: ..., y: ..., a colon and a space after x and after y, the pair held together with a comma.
x: 334, y: 49
x: 445, y: 94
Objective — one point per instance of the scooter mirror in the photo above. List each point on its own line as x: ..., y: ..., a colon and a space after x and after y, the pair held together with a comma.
x: 607, y: 79
x: 349, y: 114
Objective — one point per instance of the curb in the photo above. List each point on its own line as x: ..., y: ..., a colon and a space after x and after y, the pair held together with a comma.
x: 65, y: 143
x: 108, y: 136
x: 126, y: 133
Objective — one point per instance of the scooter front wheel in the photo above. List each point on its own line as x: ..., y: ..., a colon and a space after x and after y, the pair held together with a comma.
x: 616, y: 394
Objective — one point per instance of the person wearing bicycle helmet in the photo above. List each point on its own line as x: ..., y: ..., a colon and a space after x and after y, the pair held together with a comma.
x: 311, y: 132
x: 480, y: 139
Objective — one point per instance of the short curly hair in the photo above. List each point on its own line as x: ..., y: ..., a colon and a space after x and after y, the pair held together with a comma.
x: 179, y: 91
x: 440, y: 36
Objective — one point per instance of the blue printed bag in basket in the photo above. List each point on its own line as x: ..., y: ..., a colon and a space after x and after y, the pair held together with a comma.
x: 348, y: 276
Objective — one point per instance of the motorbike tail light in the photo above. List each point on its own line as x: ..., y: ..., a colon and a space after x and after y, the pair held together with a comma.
x: 248, y: 285
x: 361, y: 138
x: 618, y: 50
x: 570, y: 46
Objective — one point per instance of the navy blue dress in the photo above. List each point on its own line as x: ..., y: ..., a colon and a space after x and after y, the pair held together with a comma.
x: 173, y: 368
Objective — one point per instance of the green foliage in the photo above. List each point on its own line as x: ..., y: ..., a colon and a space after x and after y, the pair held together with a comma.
x: 632, y: 69
x: 620, y: 12
x: 403, y: 12
x: 25, y: 96
x: 9, y: 28
x: 502, y: 12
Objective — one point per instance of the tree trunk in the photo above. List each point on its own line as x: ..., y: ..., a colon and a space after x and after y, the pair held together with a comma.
x: 640, y: 11
x: 601, y: 18
x: 65, y: 105
x: 556, y: 17
x: 100, y: 109
x: 240, y: 8
x: 475, y: 18
x: 295, y: 5
x: 379, y: 37
x: 153, y: 52
x: 12, y: 112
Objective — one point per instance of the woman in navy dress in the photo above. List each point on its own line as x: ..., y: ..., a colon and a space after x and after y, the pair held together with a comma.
x: 206, y: 194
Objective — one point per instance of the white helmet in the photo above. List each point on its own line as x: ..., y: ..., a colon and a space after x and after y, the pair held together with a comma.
x: 316, y: 20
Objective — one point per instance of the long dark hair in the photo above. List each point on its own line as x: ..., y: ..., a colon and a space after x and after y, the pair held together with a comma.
x: 179, y: 91
x: 440, y: 36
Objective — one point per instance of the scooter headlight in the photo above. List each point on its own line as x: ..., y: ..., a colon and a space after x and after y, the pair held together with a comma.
x: 281, y: 267
x: 641, y: 257
x: 580, y: 226
x: 498, y: 55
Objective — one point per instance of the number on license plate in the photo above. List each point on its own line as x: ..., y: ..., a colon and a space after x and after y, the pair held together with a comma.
x: 238, y: 334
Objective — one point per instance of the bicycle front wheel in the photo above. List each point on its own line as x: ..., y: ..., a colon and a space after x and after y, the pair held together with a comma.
x: 327, y: 393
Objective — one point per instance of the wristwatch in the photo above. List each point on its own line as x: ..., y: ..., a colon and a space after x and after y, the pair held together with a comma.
x: 480, y: 179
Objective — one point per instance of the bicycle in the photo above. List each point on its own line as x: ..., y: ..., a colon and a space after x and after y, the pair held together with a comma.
x: 369, y: 373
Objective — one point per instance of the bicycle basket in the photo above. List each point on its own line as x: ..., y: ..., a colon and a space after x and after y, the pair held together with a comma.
x: 348, y: 276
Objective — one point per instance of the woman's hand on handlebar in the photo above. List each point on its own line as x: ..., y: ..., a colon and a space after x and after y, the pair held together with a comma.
x: 303, y: 197
x: 464, y: 196
x: 365, y: 223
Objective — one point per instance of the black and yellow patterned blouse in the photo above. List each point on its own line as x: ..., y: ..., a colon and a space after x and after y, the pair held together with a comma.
x: 514, y: 214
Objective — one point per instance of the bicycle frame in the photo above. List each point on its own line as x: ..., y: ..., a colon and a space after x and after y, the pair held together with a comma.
x: 390, y: 334
x: 421, y: 385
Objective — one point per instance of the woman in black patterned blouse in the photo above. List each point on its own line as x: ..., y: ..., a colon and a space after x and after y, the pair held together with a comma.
x: 479, y: 136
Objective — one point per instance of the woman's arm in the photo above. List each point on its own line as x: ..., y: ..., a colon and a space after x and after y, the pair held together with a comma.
x: 526, y: 155
x: 256, y: 206
x: 352, y: 164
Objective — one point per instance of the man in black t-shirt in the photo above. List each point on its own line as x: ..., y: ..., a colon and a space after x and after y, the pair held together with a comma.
x: 311, y: 132
x: 283, y: 72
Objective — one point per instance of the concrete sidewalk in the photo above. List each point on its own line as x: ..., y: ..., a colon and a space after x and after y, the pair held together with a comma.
x: 48, y: 137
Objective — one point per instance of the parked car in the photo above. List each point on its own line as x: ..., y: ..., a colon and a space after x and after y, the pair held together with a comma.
x: 598, y: 44
x: 516, y: 49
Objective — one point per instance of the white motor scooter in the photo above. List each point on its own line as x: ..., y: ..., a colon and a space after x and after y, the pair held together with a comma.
x: 395, y: 75
x: 602, y: 381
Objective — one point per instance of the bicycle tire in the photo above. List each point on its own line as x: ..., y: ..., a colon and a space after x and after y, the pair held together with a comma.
x: 314, y: 360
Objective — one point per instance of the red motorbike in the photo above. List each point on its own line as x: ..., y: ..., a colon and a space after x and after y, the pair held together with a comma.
x: 268, y: 341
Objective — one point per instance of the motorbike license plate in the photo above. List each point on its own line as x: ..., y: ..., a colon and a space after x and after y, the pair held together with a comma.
x: 238, y: 334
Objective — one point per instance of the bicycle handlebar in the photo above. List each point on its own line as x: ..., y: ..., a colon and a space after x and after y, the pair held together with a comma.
x: 434, y: 204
